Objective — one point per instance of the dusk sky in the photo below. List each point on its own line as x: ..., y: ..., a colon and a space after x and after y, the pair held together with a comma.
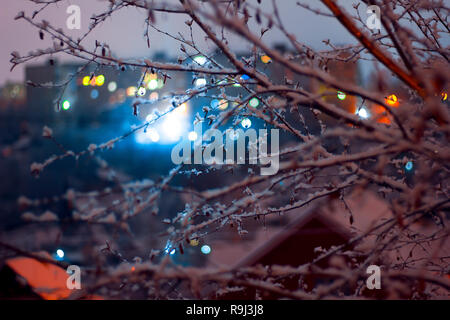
x: 124, y: 32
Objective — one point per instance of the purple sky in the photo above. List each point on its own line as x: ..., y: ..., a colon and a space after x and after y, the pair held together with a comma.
x: 124, y: 32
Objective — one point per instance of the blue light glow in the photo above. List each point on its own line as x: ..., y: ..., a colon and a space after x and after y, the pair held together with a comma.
x: 94, y: 94
x: 206, y: 249
x: 59, y: 255
x: 409, y: 166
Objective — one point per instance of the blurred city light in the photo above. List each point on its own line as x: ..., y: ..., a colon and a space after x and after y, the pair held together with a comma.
x: 392, y: 100
x: 86, y: 81
x: 112, y: 86
x: 200, y: 82
x: 154, y: 96
x: 223, y: 104
x: 245, y: 77
x: 214, y: 103
x: 201, y: 60
x: 341, y: 95
x: 94, y: 94
x: 444, y: 96
x: 66, y: 105
x: 59, y: 254
x: 153, y: 134
x: 100, y: 80
x: 142, y: 91
x: 266, y: 59
x: 192, y: 136
x: 206, y: 249
x: 172, y: 127
x: 363, y: 113
x: 152, y: 84
x: 254, y: 102
x: 160, y: 83
x: 409, y: 166
x: 131, y: 91
x: 246, y: 123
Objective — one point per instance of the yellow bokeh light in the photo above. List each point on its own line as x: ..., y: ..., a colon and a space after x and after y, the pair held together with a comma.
x: 392, y: 100
x: 266, y: 59
x: 223, y: 104
x: 444, y: 96
x: 86, y: 80
x: 131, y: 91
x: 100, y: 80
